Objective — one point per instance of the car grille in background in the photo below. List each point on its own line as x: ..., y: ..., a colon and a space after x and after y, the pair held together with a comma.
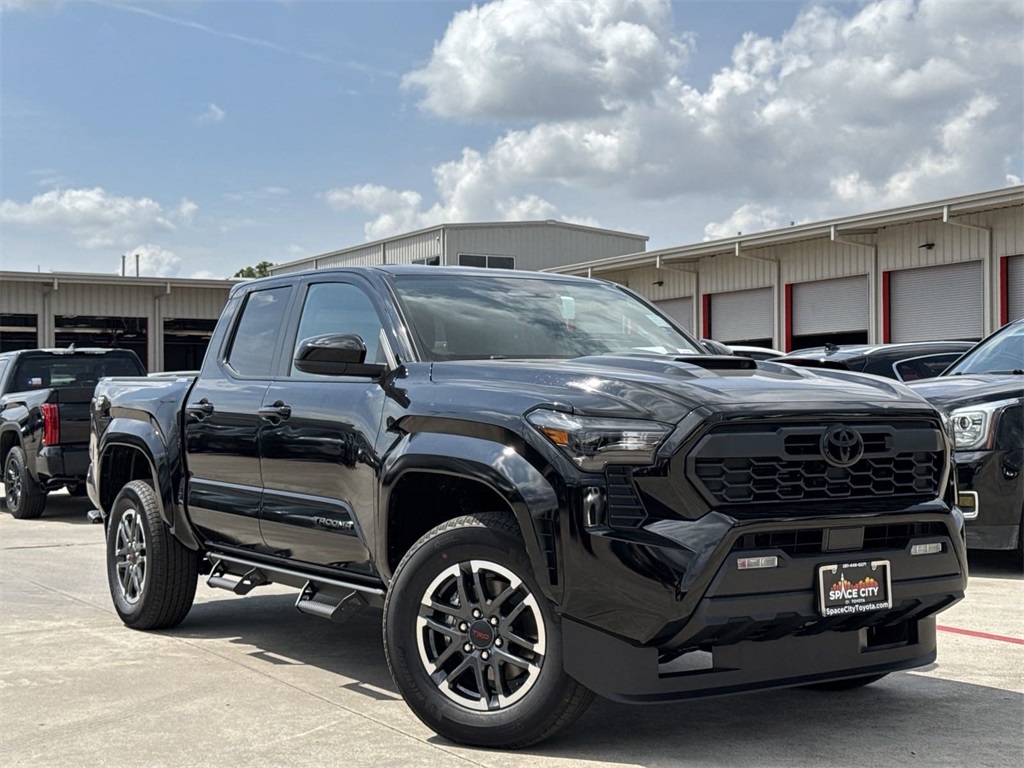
x: 758, y: 464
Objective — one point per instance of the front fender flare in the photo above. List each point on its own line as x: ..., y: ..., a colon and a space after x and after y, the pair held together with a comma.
x: 531, y: 497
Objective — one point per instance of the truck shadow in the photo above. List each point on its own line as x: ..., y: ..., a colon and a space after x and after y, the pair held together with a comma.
x: 60, y: 507
x: 906, y: 718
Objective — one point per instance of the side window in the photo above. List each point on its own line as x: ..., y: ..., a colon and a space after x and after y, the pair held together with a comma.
x: 3, y: 368
x: 339, y: 308
x: 252, y: 349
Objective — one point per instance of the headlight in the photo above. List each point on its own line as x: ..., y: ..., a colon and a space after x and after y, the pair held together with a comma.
x: 974, y: 426
x: 592, y: 443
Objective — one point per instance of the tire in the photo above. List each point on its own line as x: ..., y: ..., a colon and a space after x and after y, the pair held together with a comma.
x: 846, y: 684
x: 25, y: 499
x: 468, y: 584
x: 152, y: 575
x: 78, y: 490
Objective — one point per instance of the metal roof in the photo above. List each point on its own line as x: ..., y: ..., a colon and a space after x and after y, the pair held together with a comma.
x: 94, y: 278
x: 860, y: 224
x: 464, y: 225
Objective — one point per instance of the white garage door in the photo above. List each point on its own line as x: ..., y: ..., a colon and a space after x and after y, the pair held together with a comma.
x: 1015, y: 286
x: 741, y: 315
x: 936, y: 303
x: 831, y: 306
x: 680, y: 310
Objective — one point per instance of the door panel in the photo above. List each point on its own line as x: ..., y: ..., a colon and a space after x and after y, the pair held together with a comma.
x: 222, y: 424
x: 318, y: 463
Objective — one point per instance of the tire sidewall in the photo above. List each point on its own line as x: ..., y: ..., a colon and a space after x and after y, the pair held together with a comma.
x: 412, y: 578
x: 130, y: 499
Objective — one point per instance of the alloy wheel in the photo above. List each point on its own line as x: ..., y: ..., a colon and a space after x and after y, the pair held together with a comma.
x: 130, y: 553
x: 480, y: 635
x: 13, y: 485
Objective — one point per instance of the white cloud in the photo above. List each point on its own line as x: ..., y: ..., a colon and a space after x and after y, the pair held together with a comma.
x: 187, y: 209
x: 873, y: 106
x: 213, y: 114
x: 154, y: 261
x: 95, y: 218
x: 746, y: 219
x: 536, y: 58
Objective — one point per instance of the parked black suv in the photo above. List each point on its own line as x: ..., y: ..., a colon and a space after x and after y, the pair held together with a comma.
x: 984, y: 395
x: 549, y: 488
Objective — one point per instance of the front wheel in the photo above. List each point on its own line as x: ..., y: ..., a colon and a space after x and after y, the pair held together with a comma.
x: 152, y: 575
x: 472, y: 643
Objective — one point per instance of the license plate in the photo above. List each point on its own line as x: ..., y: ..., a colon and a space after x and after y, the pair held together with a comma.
x: 851, y: 588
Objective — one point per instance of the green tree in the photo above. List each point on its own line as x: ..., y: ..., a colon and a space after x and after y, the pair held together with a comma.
x: 260, y: 270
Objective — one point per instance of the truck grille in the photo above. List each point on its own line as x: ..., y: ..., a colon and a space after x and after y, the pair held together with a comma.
x: 755, y: 464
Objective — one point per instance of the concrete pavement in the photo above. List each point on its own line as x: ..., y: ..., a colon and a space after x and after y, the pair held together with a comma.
x: 252, y: 682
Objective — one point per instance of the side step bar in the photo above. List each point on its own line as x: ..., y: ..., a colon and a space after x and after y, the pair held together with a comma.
x: 241, y: 575
x: 240, y: 585
x: 338, y: 610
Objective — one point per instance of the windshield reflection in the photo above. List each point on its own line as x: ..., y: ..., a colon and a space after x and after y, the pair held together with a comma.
x: 460, y: 317
x: 1003, y: 352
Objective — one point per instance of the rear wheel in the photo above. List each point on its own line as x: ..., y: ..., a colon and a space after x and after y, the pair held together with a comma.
x: 152, y: 575
x: 25, y: 499
x: 846, y: 684
x: 472, y: 643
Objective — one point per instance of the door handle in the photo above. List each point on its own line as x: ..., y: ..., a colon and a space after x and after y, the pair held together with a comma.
x: 275, y: 413
x: 200, y: 410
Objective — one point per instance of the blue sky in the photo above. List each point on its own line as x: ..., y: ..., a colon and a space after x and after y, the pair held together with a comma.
x: 211, y: 135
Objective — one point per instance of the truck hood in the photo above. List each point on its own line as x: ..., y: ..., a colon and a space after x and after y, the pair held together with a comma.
x: 959, y: 391
x: 665, y: 389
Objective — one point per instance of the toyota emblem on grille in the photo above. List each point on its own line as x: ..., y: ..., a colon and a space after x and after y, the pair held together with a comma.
x: 842, y: 446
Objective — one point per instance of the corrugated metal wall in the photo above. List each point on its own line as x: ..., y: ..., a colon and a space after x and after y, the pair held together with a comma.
x: 63, y: 297
x: 539, y: 246
x: 369, y: 255
x: 425, y: 245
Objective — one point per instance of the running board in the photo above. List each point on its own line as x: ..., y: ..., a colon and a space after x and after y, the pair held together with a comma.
x: 290, y: 576
x: 338, y: 610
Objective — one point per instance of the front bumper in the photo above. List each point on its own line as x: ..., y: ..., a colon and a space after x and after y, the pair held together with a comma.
x: 670, y: 592
x: 997, y: 479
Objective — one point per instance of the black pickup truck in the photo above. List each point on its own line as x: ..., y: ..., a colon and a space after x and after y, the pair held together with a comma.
x: 548, y: 487
x: 44, y: 419
x: 983, y: 392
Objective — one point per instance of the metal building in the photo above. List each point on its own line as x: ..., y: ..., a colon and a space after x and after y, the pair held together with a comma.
x: 531, y: 245
x: 166, y: 321
x: 949, y: 269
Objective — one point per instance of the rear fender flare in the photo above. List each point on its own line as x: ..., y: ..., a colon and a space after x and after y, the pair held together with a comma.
x: 165, y: 470
x: 499, y: 467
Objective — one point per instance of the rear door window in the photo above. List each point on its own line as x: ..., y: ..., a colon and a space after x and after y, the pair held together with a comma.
x: 255, y: 340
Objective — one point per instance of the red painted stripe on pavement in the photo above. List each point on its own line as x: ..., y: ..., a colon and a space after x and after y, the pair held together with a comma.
x: 985, y: 635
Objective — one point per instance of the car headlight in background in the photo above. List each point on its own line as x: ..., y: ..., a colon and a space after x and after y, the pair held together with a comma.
x: 974, y: 426
x: 592, y: 443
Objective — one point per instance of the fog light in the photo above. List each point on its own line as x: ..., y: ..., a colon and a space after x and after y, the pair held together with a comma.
x: 926, y: 549
x: 748, y: 563
x: 968, y: 503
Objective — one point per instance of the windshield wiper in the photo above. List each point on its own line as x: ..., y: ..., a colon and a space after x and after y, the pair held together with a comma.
x: 1014, y: 372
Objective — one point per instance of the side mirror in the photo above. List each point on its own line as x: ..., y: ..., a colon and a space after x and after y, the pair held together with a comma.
x: 335, y: 355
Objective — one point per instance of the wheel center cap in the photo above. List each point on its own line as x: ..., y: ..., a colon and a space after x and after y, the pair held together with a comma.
x: 481, y: 634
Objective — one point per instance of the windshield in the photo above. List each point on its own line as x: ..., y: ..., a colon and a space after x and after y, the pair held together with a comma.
x: 1002, y: 352
x: 72, y: 370
x: 460, y: 317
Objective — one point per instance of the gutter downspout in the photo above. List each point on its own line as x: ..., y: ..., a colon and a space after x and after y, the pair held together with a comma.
x: 988, y: 280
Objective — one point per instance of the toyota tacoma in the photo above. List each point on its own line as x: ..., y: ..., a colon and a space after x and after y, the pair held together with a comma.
x: 549, y: 488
